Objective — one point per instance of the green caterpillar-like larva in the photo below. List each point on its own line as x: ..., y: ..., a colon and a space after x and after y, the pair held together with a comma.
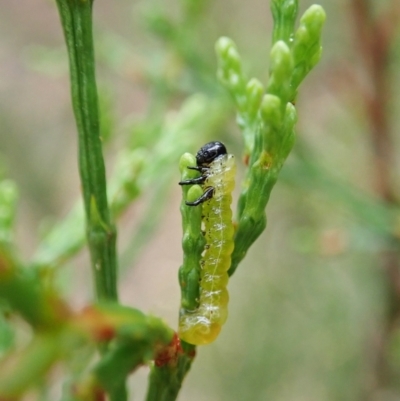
x: 217, y: 168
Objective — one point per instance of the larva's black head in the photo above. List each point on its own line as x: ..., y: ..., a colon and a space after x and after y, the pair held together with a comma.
x: 209, y: 152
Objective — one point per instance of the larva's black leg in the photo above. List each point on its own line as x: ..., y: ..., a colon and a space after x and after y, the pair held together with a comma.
x: 198, y: 180
x: 208, y: 194
x: 200, y: 169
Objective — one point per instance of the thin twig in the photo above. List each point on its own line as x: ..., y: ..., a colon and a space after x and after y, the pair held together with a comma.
x: 374, y: 43
x: 76, y: 18
x: 374, y: 37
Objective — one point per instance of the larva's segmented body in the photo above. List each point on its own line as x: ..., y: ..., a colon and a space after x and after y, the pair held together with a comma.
x: 203, y: 325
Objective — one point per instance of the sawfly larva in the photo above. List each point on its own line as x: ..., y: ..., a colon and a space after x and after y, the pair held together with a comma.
x: 217, y: 168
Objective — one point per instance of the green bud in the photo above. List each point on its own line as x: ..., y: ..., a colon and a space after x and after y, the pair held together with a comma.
x: 233, y: 59
x: 314, y: 18
x: 234, y: 82
x: 290, y: 115
x: 280, y: 71
x: 194, y: 193
x: 270, y: 110
x: 314, y: 59
x: 307, y: 47
x: 186, y: 160
x: 229, y: 60
x: 281, y: 59
x: 223, y: 45
x: 288, y: 134
x: 230, y: 73
x: 255, y: 91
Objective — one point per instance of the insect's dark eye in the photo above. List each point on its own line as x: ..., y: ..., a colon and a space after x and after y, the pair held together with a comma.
x: 209, y: 152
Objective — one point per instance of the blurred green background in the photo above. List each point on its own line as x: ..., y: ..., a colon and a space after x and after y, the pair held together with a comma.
x: 309, y: 305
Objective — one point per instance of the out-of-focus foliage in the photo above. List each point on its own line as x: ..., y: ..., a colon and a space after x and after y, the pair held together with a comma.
x: 309, y: 305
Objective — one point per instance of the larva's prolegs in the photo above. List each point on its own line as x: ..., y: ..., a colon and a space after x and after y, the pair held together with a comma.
x: 203, y: 325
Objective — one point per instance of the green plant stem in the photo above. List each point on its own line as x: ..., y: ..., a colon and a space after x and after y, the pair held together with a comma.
x: 76, y: 18
x: 166, y: 381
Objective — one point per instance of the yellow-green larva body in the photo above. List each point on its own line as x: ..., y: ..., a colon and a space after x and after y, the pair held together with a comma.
x: 202, y: 326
